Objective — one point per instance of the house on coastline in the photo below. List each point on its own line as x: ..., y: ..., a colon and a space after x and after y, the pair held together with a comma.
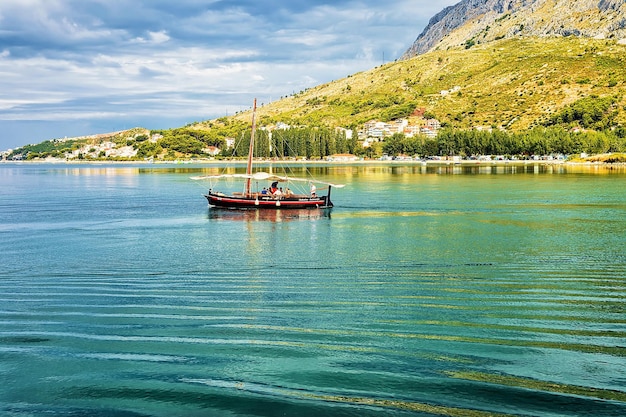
x: 377, y: 131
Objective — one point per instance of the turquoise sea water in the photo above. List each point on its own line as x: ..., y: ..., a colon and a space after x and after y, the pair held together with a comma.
x: 427, y: 291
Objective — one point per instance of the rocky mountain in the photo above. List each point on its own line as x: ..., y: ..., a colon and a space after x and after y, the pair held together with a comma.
x: 473, y: 22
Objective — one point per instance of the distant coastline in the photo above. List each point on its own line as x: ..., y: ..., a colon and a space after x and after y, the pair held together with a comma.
x: 407, y: 162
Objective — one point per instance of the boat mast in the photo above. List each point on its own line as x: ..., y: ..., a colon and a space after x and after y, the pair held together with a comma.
x: 251, y: 151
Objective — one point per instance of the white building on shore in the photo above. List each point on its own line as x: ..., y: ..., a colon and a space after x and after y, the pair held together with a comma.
x: 376, y: 131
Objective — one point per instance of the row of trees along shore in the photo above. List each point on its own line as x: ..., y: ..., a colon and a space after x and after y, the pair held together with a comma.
x: 537, y: 141
x: 587, y: 126
x: 319, y: 143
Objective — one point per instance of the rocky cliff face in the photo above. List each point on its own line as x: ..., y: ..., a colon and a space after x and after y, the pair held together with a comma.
x: 477, y: 21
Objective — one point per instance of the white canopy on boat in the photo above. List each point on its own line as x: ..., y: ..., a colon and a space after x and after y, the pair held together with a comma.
x: 265, y: 176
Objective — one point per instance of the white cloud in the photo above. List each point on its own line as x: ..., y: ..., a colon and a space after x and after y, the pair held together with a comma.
x: 68, y: 116
x: 310, y: 38
x: 143, y: 60
x: 159, y: 37
x: 153, y: 38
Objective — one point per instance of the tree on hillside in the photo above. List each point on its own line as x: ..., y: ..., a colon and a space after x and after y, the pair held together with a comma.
x: 592, y: 112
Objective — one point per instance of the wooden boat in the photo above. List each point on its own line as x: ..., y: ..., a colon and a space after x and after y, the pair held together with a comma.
x: 271, y: 197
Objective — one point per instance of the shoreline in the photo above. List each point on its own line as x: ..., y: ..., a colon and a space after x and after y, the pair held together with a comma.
x: 462, y: 163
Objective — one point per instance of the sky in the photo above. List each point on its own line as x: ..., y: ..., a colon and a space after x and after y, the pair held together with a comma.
x: 80, y: 67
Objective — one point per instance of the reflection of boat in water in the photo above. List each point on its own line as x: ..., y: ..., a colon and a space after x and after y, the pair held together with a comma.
x: 269, y: 215
x: 273, y: 198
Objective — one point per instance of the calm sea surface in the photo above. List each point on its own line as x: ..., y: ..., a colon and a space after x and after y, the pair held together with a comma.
x: 451, y: 291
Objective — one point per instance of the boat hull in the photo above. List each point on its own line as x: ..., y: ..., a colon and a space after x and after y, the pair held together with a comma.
x: 236, y: 202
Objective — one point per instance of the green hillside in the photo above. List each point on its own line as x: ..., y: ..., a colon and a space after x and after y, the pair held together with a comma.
x: 513, y: 84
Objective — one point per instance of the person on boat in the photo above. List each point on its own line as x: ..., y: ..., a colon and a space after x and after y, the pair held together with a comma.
x: 288, y: 192
x: 278, y: 193
x: 274, y: 187
x: 264, y: 191
x: 313, y: 191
